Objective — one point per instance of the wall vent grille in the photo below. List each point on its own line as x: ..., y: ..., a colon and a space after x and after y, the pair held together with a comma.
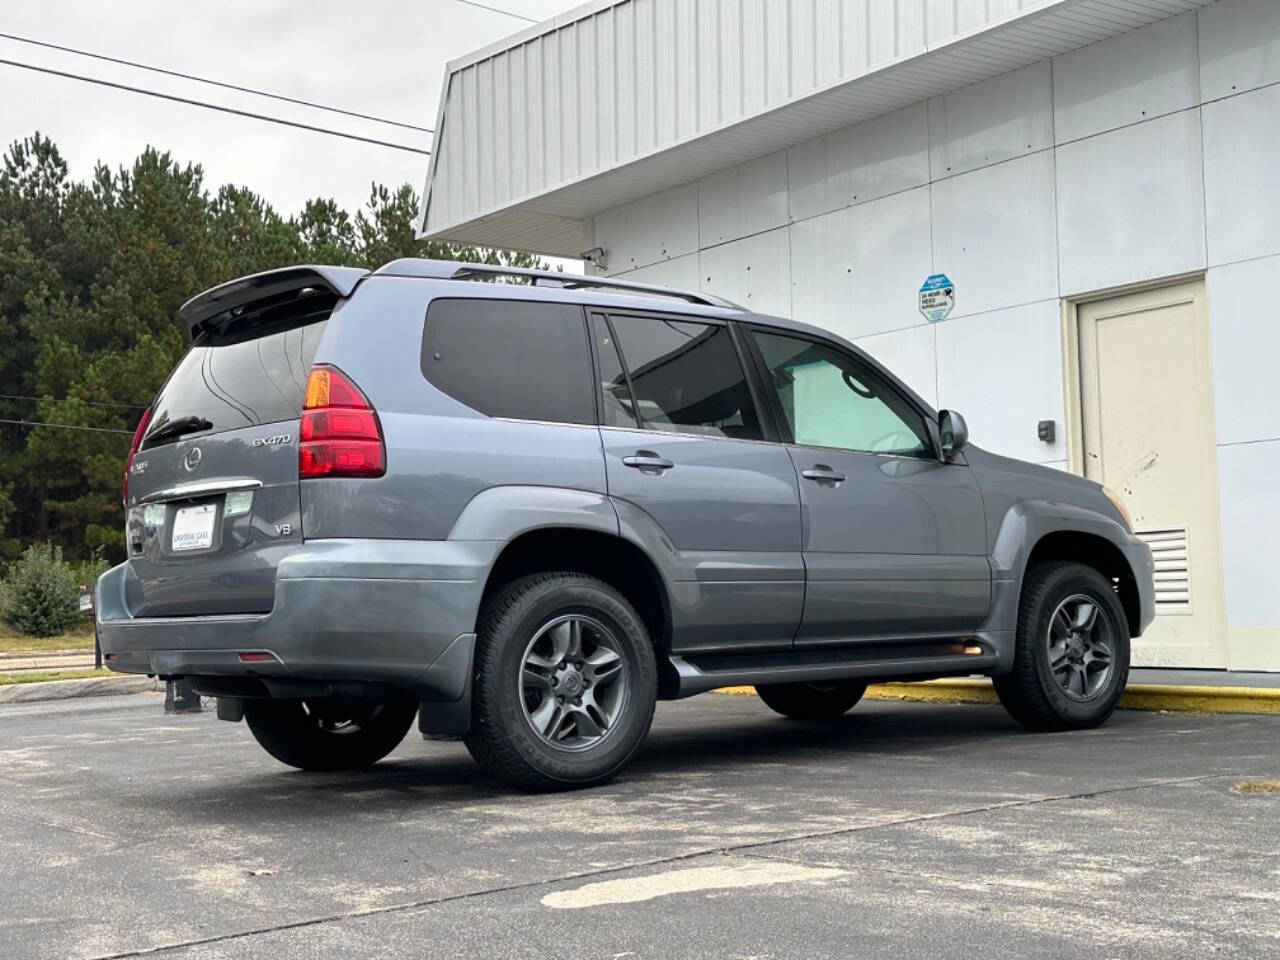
x: 1172, y: 568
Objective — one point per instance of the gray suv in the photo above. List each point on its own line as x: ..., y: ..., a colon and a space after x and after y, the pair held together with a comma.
x: 524, y: 506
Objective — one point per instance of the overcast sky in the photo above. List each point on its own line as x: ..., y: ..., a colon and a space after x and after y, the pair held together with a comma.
x: 380, y: 57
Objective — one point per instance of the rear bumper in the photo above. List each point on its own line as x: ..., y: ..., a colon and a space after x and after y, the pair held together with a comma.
x: 401, y: 612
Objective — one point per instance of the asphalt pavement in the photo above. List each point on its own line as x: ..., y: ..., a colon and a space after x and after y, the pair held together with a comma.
x: 908, y: 830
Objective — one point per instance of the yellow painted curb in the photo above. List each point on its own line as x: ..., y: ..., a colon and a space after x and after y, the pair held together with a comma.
x: 1138, y: 696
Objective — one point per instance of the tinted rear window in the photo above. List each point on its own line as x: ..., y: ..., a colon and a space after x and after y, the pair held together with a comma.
x: 511, y: 358
x: 240, y: 383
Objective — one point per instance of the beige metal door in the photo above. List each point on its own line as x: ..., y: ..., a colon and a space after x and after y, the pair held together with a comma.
x: 1146, y: 404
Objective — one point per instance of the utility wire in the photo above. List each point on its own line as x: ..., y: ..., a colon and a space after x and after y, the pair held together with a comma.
x: 65, y: 426
x: 213, y: 106
x: 88, y: 403
x: 506, y: 13
x: 211, y: 82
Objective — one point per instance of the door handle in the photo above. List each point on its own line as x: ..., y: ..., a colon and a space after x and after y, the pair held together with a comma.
x: 821, y: 472
x: 647, y: 460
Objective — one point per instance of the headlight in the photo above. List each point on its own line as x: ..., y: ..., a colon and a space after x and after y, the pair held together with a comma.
x: 1119, y: 505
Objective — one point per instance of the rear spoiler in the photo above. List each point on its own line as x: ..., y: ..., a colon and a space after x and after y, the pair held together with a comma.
x: 200, y: 309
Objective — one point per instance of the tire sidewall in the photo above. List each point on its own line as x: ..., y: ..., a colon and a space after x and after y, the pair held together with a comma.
x: 1062, y: 584
x: 512, y: 634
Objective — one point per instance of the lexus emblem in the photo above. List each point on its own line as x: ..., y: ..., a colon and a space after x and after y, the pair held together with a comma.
x: 192, y: 459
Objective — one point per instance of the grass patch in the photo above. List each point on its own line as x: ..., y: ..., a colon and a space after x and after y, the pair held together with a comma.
x: 78, y: 638
x: 1258, y: 788
x: 40, y: 676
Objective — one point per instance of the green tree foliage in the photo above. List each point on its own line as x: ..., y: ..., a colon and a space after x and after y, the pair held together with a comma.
x: 42, y: 597
x: 91, y: 278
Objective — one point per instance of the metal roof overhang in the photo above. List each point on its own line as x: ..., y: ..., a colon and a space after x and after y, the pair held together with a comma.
x: 551, y: 221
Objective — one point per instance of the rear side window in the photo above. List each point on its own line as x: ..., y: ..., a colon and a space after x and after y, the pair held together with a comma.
x: 686, y: 377
x: 240, y: 382
x: 511, y: 358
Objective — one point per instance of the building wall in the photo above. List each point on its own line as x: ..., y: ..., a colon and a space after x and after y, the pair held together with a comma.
x: 1143, y: 157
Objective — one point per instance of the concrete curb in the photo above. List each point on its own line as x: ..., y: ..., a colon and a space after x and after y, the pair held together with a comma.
x: 1137, y: 696
x: 41, y: 661
x: 66, y: 689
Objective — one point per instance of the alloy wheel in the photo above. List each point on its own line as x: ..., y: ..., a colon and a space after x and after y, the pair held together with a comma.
x: 574, y: 682
x: 1081, y: 645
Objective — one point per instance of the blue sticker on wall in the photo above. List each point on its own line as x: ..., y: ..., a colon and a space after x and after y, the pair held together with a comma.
x: 937, y: 298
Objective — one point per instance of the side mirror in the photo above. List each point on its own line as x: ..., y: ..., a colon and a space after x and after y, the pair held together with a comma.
x: 954, y: 432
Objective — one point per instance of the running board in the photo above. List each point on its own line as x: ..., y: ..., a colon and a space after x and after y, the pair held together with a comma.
x: 899, y: 661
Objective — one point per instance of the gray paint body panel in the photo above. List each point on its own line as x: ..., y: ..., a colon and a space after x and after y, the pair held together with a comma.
x: 728, y: 514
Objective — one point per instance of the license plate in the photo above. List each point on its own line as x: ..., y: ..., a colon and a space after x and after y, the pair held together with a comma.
x: 193, y: 527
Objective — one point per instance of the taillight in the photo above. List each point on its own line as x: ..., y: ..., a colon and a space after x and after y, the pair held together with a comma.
x: 133, y: 449
x: 339, y: 435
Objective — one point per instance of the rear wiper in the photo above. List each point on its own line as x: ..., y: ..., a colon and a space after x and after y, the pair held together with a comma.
x: 177, y: 428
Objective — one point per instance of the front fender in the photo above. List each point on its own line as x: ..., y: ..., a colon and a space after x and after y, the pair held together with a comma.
x: 1024, y: 524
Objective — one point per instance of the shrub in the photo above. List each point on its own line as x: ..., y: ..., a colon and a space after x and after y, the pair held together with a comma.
x: 42, y: 593
x: 88, y: 571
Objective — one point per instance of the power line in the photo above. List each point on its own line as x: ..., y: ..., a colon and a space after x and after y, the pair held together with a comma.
x: 213, y: 106
x: 214, y: 83
x: 507, y: 13
x: 88, y: 403
x: 65, y: 426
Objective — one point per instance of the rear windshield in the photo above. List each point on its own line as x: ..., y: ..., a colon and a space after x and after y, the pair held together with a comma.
x: 235, y: 383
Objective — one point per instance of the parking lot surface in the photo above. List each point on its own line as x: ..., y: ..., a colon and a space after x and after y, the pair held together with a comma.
x: 907, y: 830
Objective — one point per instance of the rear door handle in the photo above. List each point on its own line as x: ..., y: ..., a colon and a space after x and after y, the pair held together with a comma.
x: 647, y: 460
x: 822, y: 472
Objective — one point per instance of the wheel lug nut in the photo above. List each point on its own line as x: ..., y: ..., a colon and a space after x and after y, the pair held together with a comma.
x: 577, y: 701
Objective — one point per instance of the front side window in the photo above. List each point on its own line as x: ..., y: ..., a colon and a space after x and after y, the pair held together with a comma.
x: 830, y: 400
x: 686, y: 377
x: 511, y: 358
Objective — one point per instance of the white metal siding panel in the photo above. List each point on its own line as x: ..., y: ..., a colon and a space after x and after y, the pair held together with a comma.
x: 746, y: 199
x: 618, y: 99
x: 994, y: 234
x: 1241, y: 143
x: 999, y: 119
x: 1239, y: 47
x: 754, y: 271
x: 1140, y: 75
x: 1244, y: 350
x: 1131, y: 204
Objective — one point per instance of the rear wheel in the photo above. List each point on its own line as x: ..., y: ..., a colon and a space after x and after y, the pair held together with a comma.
x: 565, y: 683
x: 1072, y: 657
x: 323, y: 735
x: 825, y: 700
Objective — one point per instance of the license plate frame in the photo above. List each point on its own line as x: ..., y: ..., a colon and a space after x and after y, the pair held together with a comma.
x: 193, y: 528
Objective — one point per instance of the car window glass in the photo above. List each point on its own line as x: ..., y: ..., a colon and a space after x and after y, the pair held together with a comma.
x: 510, y: 358
x: 615, y: 396
x: 830, y: 400
x: 686, y: 377
x: 240, y: 383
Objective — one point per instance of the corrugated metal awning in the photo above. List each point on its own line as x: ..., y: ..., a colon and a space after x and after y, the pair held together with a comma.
x: 614, y: 101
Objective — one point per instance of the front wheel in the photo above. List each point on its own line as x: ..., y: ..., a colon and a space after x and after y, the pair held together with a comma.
x: 1071, y: 661
x: 323, y: 735
x: 812, y: 701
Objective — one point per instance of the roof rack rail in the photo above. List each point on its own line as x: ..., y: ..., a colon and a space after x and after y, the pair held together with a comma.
x: 457, y: 270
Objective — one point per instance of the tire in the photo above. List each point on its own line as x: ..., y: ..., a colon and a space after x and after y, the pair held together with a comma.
x: 326, y: 736
x: 528, y: 728
x: 1077, y: 695
x: 812, y: 701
